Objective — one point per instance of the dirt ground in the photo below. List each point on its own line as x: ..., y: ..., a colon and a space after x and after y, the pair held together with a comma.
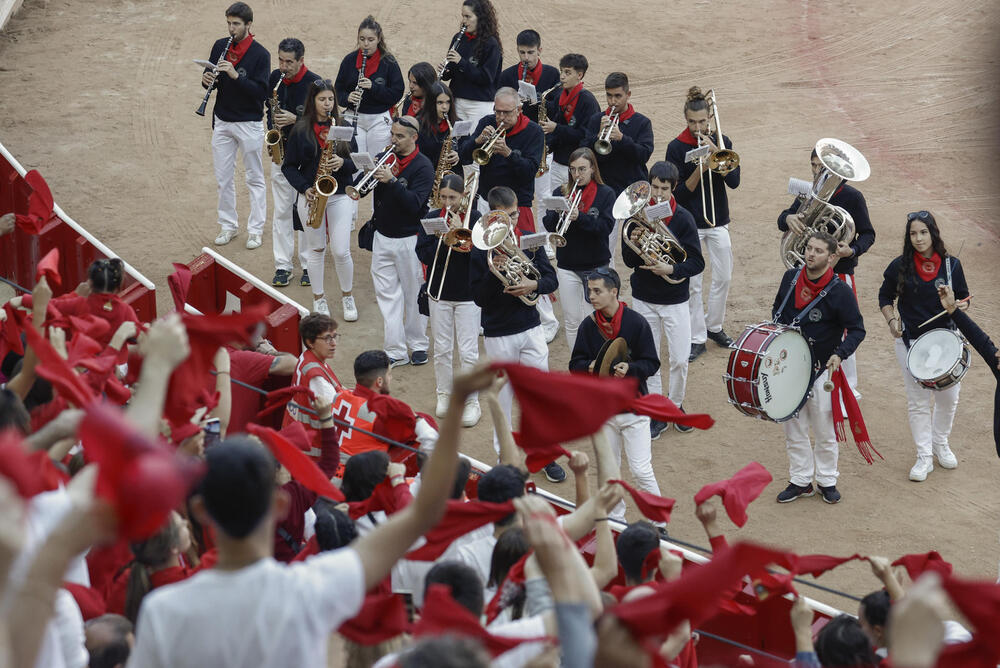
x: 100, y: 97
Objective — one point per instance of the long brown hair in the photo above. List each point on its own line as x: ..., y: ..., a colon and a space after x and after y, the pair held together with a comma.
x: 937, y: 245
x: 487, y: 25
x: 369, y: 23
x: 584, y: 152
x: 150, y: 555
x: 310, y: 115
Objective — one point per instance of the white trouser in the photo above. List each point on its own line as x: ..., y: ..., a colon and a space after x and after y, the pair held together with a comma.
x: 542, y: 189
x: 528, y: 348
x: 558, y: 175
x: 451, y: 321
x: 549, y: 321
x: 397, y: 276
x: 374, y: 132
x: 720, y: 255
x: 806, y: 461
x: 674, y: 322
x: 248, y: 137
x: 931, y: 412
x: 632, y: 432
x: 472, y: 110
x: 283, y: 237
x: 575, y: 307
x: 335, y: 229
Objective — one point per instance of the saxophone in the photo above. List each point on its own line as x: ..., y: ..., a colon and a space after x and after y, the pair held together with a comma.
x: 273, y: 139
x: 325, y: 184
x: 543, y: 117
x: 442, y: 168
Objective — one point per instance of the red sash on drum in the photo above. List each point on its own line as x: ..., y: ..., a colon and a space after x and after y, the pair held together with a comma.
x: 859, y: 431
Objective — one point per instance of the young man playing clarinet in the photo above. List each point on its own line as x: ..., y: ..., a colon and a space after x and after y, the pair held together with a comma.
x: 568, y: 115
x: 631, y: 137
x: 291, y: 94
x: 824, y: 307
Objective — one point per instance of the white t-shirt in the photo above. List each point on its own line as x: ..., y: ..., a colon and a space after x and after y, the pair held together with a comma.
x: 479, y: 554
x: 267, y: 615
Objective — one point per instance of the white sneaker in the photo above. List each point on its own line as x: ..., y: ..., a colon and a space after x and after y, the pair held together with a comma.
x: 350, y: 309
x: 225, y: 236
x: 253, y: 241
x: 920, y: 470
x: 550, y: 333
x: 471, y: 413
x: 320, y: 306
x: 442, y: 404
x: 946, y: 458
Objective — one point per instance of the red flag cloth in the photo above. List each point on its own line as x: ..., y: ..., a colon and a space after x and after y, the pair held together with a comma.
x: 817, y: 564
x: 90, y: 601
x: 53, y: 368
x: 17, y: 466
x: 970, y: 654
x: 460, y: 518
x: 738, y: 491
x: 48, y: 267
x: 537, y: 455
x: 11, y: 329
x: 295, y: 432
x: 386, y: 497
x: 661, y: 408
x: 512, y: 585
x: 301, y: 468
x: 394, y: 418
x: 656, y: 508
x: 859, y: 431
x: 979, y: 603
x: 180, y: 284
x: 277, y: 399
x: 382, y: 617
x: 40, y: 204
x: 918, y: 564
x: 311, y: 547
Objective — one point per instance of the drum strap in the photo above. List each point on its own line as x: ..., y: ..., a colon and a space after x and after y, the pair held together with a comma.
x: 947, y: 268
x: 802, y: 314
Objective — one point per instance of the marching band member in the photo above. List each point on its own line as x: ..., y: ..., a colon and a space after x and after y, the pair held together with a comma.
x: 454, y: 315
x: 474, y: 64
x: 911, y: 281
x: 319, y: 342
x: 420, y: 77
x: 715, y: 233
x: 568, y: 115
x: 823, y: 319
x: 631, y: 141
x: 400, y: 202
x: 434, y: 118
x: 512, y: 329
x: 241, y: 83
x: 302, y: 162
x: 662, y: 303
x: 371, y: 94
x: 584, y: 251
x: 852, y: 201
x: 609, y: 320
x: 296, y: 82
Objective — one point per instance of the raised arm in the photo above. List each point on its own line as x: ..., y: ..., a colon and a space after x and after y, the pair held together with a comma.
x: 164, y: 346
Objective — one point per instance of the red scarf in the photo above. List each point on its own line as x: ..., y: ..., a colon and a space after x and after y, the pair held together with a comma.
x: 568, y: 100
x: 522, y: 122
x: 239, y: 49
x: 859, y: 431
x: 288, y: 81
x: 688, y: 138
x: 627, y: 114
x: 533, y: 75
x: 371, y: 65
x: 610, y: 328
x: 321, y: 130
x: 416, y: 104
x: 443, y: 126
x: 927, y: 268
x: 471, y: 36
x: 806, y: 290
x: 402, y: 163
x: 673, y: 207
x: 587, y: 199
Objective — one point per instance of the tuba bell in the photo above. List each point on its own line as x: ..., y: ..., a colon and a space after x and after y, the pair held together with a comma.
x: 653, y: 242
x: 495, y: 235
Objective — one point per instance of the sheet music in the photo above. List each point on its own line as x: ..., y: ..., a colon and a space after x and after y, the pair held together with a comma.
x: 363, y: 161
x: 658, y: 211
x: 696, y: 153
x: 527, y: 92
x: 533, y: 241
x: 799, y: 187
x: 463, y: 128
x: 434, y: 225
x: 555, y: 203
x: 208, y: 64
x: 341, y: 132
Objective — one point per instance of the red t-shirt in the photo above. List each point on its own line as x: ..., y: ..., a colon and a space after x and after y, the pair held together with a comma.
x: 252, y: 368
x: 119, y: 588
x: 106, y: 560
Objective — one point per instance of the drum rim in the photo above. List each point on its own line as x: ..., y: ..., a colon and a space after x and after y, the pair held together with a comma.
x: 771, y: 330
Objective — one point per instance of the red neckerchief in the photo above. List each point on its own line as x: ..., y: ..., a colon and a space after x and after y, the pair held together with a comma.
x: 443, y: 126
x: 859, y: 431
x: 371, y: 65
x: 533, y: 75
x: 806, y: 290
x: 471, y: 36
x: 416, y: 103
x: 321, y: 130
x: 927, y: 267
x: 238, y: 49
x: 522, y: 122
x: 568, y: 100
x: 610, y: 328
x: 688, y: 138
x: 624, y: 116
x: 402, y: 163
x: 587, y: 198
x: 288, y: 81
x: 673, y: 207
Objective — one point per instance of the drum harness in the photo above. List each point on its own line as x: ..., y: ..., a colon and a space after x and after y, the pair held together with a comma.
x: 802, y: 314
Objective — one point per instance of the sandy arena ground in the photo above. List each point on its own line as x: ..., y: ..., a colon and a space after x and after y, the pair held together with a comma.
x: 100, y: 97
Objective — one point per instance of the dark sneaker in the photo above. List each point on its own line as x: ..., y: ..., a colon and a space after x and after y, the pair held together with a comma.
x: 721, y: 338
x: 793, y: 492
x: 682, y: 428
x: 554, y: 472
x: 400, y: 362
x: 281, y: 278
x: 696, y: 350
x: 304, y: 281
x: 656, y: 428
x: 830, y: 494
x: 418, y: 357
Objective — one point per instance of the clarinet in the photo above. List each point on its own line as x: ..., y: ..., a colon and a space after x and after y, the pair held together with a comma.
x: 359, y: 89
x: 215, y: 72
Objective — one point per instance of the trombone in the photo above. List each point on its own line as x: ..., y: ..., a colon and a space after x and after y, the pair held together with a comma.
x: 495, y: 235
x: 724, y: 160
x: 558, y: 238
x: 603, y: 144
x: 481, y: 156
x: 458, y: 238
x: 368, y: 181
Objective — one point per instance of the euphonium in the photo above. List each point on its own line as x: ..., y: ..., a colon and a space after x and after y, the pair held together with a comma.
x: 325, y: 184
x: 543, y: 117
x: 603, y: 144
x: 368, y: 181
x: 653, y: 242
x: 273, y: 138
x: 481, y: 156
x: 442, y: 166
x: 495, y: 235
x: 558, y: 238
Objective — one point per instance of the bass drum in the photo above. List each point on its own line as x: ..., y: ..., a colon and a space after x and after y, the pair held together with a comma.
x: 769, y: 372
x: 938, y: 359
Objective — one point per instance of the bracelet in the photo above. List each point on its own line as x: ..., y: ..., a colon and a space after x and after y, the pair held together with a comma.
x: 326, y: 419
x: 890, y: 320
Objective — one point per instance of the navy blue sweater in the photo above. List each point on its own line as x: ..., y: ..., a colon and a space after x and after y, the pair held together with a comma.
x: 852, y: 201
x: 587, y: 237
x: 474, y: 77
x: 569, y: 135
x: 400, y: 204
x: 824, y: 325
x: 626, y: 163
x: 548, y: 79
x: 430, y: 145
x: 302, y: 153
x: 918, y: 299
x: 516, y: 171
x: 504, y: 314
x: 291, y: 97
x: 242, y: 99
x: 456, y: 279
x: 988, y: 350
x: 652, y: 289
x: 643, y: 360
x: 387, y: 84
x: 691, y: 199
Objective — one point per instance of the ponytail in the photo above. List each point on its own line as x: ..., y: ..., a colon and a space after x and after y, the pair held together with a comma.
x: 150, y: 555
x: 106, y: 275
x: 695, y: 100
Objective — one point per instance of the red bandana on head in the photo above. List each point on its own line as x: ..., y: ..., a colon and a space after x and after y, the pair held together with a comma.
x: 370, y: 65
x: 321, y: 130
x: 238, y: 49
x: 522, y: 122
x: 688, y: 138
x: 806, y: 290
x: 625, y: 115
x: 610, y: 327
x: 533, y: 75
x: 927, y: 267
x: 297, y: 77
x: 568, y: 100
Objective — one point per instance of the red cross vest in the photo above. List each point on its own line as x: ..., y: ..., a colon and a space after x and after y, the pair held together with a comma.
x: 354, y: 409
x: 308, y: 367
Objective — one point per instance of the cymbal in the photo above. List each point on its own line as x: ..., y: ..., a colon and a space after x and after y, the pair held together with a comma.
x: 611, y: 353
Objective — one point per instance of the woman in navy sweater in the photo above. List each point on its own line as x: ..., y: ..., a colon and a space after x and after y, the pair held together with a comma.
x: 420, y: 77
x: 434, y: 117
x: 369, y: 96
x: 912, y: 281
x: 474, y: 65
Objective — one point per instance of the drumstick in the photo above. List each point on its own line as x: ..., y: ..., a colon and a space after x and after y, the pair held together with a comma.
x: 828, y: 384
x: 944, y: 312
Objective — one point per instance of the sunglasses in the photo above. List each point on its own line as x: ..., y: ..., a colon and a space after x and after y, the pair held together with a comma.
x: 918, y: 215
x: 607, y: 273
x: 319, y: 83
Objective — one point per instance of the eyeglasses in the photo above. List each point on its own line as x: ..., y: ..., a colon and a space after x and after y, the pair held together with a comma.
x: 329, y: 338
x: 918, y: 215
x: 504, y: 112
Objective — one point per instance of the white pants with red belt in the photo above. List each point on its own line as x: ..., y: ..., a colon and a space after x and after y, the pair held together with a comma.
x: 674, y: 322
x: 227, y: 139
x: 805, y: 460
x: 931, y: 412
x: 631, y: 432
x: 338, y: 221
x: 283, y: 237
x: 397, y: 277
x: 706, y: 319
x: 527, y: 348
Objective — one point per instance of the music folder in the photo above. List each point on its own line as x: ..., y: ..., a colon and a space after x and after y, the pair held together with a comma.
x: 697, y: 153
x: 533, y: 241
x: 363, y: 161
x: 555, y: 203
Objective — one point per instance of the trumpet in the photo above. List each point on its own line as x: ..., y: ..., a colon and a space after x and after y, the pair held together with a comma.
x: 603, y: 144
x: 653, y: 242
x: 454, y: 45
x: 495, y: 235
x: 481, y: 156
x: 272, y: 140
x: 215, y: 73
x: 368, y: 181
x: 558, y: 238
x: 458, y: 238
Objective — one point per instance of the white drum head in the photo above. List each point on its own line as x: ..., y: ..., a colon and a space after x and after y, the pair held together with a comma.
x: 934, y: 354
x: 784, y: 374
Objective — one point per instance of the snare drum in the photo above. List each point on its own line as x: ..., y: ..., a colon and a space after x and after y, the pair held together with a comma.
x: 769, y: 372
x: 938, y: 359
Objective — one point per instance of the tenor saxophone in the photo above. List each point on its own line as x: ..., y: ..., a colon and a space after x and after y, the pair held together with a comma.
x: 273, y: 139
x: 442, y: 168
x: 543, y: 117
x: 325, y: 184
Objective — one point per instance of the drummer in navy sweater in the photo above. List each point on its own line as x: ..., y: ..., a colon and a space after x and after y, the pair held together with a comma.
x: 631, y: 141
x: 912, y: 280
x: 473, y: 67
x: 568, y: 114
x: 660, y: 291
x: 241, y: 83
x: 823, y: 306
